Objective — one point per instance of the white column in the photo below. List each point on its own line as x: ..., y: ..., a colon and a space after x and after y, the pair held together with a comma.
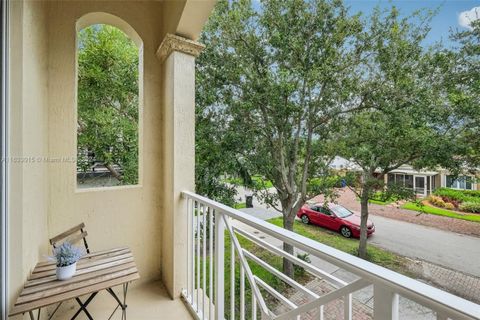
x: 177, y: 55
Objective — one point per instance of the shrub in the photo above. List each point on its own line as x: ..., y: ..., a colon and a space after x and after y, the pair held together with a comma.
x: 449, y: 206
x: 437, y: 201
x: 447, y: 193
x: 473, y: 207
x: 440, y: 203
x: 433, y: 199
x: 472, y: 193
x: 457, y: 196
x: 300, y: 271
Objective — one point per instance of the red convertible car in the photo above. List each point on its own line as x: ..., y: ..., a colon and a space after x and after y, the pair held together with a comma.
x: 334, y: 217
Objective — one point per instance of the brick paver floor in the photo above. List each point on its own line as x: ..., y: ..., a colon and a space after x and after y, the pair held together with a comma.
x: 332, y: 310
x: 348, y: 199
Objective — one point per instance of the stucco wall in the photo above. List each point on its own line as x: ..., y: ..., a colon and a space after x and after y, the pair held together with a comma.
x: 28, y: 140
x: 114, y: 216
x: 44, y: 199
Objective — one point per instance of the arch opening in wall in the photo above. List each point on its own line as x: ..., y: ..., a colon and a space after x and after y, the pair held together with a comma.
x: 108, y: 103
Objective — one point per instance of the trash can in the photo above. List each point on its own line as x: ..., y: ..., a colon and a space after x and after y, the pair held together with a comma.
x: 249, y: 201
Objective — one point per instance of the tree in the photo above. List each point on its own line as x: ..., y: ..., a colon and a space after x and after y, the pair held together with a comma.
x: 462, y: 87
x: 407, y: 121
x: 280, y: 74
x: 108, y: 101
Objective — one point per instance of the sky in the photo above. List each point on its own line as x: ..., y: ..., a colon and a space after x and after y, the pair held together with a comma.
x: 453, y: 14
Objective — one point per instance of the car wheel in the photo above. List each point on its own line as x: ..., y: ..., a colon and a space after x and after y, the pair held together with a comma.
x: 346, y: 232
x: 305, y: 219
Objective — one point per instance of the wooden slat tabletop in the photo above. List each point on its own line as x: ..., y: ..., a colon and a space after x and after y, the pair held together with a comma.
x: 95, y: 271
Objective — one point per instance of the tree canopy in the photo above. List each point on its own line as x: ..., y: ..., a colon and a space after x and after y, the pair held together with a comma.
x: 108, y: 102
x: 283, y: 86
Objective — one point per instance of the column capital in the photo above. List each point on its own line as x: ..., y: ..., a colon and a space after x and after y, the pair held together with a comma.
x: 173, y: 42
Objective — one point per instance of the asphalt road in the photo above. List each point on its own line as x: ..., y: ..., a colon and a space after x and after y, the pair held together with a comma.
x: 448, y: 249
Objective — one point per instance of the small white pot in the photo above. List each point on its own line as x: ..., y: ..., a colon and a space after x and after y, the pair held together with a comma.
x: 65, y: 273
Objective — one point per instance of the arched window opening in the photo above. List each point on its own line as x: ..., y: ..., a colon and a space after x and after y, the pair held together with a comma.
x: 107, y: 108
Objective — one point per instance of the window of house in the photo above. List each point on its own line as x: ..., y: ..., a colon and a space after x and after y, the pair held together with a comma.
x: 460, y: 182
x: 390, y: 178
x: 107, y: 108
x: 409, y: 181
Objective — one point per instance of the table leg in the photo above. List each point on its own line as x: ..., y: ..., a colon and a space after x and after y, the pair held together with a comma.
x: 121, y: 304
x: 32, y: 317
x: 124, y: 309
x: 83, y: 306
x: 54, y: 311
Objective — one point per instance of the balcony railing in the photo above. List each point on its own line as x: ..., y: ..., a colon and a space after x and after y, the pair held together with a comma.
x: 223, y: 285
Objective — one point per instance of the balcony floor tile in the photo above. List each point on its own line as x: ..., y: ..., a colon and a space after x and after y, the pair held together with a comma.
x: 146, y: 302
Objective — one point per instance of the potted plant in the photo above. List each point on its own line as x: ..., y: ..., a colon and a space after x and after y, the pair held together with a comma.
x: 66, y: 257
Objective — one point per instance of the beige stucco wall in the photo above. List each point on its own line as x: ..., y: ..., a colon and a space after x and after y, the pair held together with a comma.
x: 114, y: 216
x: 28, y: 140
x: 44, y: 199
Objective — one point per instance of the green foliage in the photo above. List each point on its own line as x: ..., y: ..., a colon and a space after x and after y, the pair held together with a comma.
x: 240, y: 205
x: 463, y: 90
x: 440, y: 212
x: 273, y: 260
x: 470, y: 206
x: 108, y: 102
x: 472, y: 193
x: 383, y: 198
x: 265, y: 78
x: 458, y: 195
x: 393, y: 128
x: 300, y: 271
x: 261, y: 183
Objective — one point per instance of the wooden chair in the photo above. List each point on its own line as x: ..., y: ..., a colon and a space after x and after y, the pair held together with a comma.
x: 75, y: 235
x: 72, y: 235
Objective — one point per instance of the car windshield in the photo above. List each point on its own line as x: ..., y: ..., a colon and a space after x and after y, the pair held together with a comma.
x: 341, y: 212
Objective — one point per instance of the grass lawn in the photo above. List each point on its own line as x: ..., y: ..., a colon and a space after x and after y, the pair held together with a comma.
x: 259, y: 181
x: 376, y: 255
x: 380, y: 202
x: 441, y: 212
x: 240, y: 205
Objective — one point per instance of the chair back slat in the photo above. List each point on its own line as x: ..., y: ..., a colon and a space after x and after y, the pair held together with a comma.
x: 72, y: 235
x: 74, y: 239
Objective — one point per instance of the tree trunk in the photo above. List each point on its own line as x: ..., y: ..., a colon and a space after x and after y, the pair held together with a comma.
x: 362, y: 247
x: 288, y: 269
x: 113, y: 172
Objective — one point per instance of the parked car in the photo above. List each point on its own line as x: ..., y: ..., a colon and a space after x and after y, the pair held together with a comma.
x: 334, y: 217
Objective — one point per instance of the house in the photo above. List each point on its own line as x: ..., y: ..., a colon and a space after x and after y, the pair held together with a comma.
x: 160, y: 219
x: 425, y: 182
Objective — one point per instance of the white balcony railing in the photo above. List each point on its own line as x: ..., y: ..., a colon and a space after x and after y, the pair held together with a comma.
x: 215, y: 236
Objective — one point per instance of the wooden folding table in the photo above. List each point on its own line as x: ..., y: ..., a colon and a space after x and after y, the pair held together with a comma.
x: 95, y: 272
